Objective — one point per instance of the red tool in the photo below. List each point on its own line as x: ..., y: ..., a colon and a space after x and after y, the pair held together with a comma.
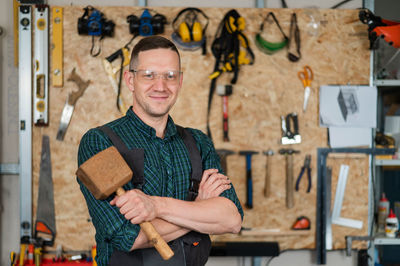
x: 378, y: 27
x: 224, y: 92
x: 302, y: 223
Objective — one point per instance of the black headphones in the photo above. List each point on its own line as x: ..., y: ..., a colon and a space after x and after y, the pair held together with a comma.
x: 190, y: 35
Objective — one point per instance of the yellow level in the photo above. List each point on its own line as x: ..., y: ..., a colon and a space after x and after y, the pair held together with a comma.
x: 16, y: 29
x: 57, y: 71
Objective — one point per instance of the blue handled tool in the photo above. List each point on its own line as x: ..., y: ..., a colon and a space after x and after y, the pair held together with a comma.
x: 306, y: 166
x: 249, y: 178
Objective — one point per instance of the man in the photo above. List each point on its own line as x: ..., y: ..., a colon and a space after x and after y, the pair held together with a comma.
x: 155, y: 79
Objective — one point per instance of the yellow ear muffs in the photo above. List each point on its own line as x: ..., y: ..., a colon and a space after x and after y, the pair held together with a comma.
x: 197, y: 32
x: 184, y: 32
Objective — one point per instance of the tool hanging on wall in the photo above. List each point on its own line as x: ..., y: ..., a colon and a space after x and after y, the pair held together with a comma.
x: 147, y: 24
x: 377, y: 27
x: 112, y: 71
x: 249, y: 178
x: 16, y: 30
x: 191, y: 32
x: 266, y: 46
x: 294, y: 53
x: 41, y: 61
x: 223, y: 153
x: 57, y: 53
x: 225, y: 92
x: 306, y: 167
x: 288, y: 153
x: 267, y: 185
x: 290, y: 129
x: 306, y: 77
x: 228, y: 54
x: 45, y: 225
x: 93, y: 23
x: 302, y: 223
x: 25, y: 119
x: 70, y: 103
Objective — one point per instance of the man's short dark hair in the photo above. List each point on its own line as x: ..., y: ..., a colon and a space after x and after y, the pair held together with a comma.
x: 150, y: 43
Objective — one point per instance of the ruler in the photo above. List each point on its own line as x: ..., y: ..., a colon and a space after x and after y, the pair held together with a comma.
x: 57, y: 71
x: 41, y: 61
x: 25, y: 117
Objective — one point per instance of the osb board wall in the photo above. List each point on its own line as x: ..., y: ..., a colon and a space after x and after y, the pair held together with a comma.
x: 337, y: 53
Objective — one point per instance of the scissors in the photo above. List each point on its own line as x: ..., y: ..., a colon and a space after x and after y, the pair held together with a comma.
x: 306, y: 77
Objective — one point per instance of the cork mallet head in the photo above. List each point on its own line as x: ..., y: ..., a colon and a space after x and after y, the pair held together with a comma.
x: 104, y: 173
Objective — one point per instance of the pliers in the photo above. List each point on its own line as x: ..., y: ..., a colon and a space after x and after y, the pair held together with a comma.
x: 306, y: 166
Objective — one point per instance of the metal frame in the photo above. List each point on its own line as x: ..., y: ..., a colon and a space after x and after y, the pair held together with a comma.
x: 323, y: 193
x: 25, y: 118
x: 9, y: 169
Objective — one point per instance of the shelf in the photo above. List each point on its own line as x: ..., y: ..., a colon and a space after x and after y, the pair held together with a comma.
x: 392, y: 162
x: 387, y: 82
x: 386, y: 241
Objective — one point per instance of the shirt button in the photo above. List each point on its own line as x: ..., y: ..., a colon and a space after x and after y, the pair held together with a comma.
x: 169, y: 171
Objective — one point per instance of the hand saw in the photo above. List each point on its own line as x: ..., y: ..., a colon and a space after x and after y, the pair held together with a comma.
x: 70, y: 103
x: 45, y: 225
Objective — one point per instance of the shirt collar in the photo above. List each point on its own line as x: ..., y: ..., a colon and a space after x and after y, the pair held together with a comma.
x: 148, y: 130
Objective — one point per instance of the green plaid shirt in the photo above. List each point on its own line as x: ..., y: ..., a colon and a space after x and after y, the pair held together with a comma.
x: 167, y: 171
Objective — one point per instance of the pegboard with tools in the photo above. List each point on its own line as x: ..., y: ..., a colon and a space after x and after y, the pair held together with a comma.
x: 269, y: 89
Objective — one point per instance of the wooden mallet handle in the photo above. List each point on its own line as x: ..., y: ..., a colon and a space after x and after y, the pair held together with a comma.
x: 154, y: 237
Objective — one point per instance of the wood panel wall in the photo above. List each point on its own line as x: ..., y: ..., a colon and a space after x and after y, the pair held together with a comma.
x: 338, y: 54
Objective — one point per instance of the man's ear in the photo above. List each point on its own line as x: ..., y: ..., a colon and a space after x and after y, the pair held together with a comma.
x: 128, y: 77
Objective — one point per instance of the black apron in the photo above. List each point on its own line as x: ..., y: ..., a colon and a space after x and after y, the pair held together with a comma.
x: 191, y: 249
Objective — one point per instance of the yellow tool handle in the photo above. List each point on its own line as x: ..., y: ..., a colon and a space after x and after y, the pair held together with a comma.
x: 16, y: 5
x: 154, y: 237
x: 38, y: 255
x: 22, y: 255
x: 12, y: 258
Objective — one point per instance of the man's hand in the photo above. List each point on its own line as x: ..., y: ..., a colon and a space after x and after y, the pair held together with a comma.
x: 212, y: 184
x: 135, y: 206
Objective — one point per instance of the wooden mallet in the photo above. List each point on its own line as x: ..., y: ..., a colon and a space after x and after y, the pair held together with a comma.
x: 106, y: 173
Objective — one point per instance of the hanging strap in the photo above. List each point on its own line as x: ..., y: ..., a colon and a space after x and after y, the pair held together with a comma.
x: 226, y: 50
x: 271, y: 14
x: 133, y: 157
x: 92, y: 52
x: 195, y: 160
x: 294, y: 33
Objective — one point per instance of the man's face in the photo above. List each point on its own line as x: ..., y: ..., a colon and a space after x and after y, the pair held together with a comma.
x: 153, y: 84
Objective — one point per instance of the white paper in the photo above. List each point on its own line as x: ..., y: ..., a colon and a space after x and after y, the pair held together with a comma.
x: 348, y: 106
x: 341, y: 137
